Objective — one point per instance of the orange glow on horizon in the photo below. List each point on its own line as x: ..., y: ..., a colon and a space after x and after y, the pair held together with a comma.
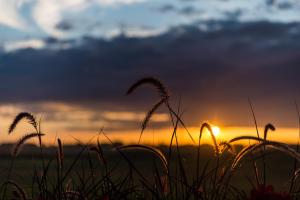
x: 163, y: 136
x: 73, y: 123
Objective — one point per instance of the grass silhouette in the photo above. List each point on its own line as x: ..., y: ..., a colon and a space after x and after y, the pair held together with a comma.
x: 166, y: 174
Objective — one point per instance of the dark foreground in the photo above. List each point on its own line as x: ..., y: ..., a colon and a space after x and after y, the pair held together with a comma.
x: 87, y: 172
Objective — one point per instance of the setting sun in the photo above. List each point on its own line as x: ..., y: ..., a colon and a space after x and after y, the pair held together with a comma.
x: 216, y: 131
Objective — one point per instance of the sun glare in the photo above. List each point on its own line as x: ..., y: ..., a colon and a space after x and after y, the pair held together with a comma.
x: 216, y: 131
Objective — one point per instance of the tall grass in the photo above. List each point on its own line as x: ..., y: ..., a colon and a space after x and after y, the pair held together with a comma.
x: 92, y: 174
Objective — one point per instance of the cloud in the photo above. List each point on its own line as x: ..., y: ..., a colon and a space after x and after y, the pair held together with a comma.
x: 50, y: 15
x: 184, y: 11
x: 234, y: 15
x: 132, y: 116
x: 285, y: 5
x: 116, y: 2
x: 64, y: 26
x: 189, y: 10
x: 47, y: 14
x: 68, y: 19
x: 167, y: 8
x: 56, y: 116
x: 23, y: 44
x: 10, y: 14
x: 270, y: 2
x: 139, y: 31
x: 203, y: 67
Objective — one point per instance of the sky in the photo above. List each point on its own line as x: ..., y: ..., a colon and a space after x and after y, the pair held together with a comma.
x: 71, y: 62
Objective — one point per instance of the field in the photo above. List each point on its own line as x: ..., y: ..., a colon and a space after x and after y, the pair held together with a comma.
x: 88, y: 171
x: 264, y: 169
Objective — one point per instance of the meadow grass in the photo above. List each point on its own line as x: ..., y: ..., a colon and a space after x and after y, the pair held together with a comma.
x: 138, y: 171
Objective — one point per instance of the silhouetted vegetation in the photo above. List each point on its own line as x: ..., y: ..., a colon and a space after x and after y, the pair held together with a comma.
x: 110, y: 170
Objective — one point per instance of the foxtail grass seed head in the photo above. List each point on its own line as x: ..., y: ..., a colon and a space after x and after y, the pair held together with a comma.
x: 267, y: 128
x: 225, y: 146
x: 23, y: 115
x: 163, y: 92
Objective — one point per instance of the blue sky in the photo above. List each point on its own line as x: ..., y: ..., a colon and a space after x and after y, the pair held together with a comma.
x: 32, y: 20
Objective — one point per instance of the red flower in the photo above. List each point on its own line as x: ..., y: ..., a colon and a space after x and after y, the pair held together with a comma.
x: 263, y: 192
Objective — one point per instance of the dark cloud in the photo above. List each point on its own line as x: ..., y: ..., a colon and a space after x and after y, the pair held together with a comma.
x: 167, y: 8
x: 213, y: 71
x: 280, y: 5
x: 189, y: 10
x: 64, y: 26
x: 188, y: 0
x: 270, y: 2
x: 234, y: 15
x: 285, y: 5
